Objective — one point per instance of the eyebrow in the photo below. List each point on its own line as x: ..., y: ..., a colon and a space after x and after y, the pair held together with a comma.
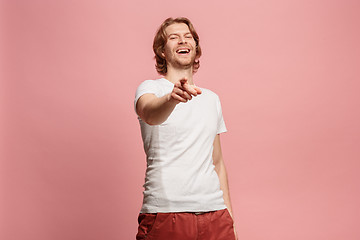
x: 177, y: 34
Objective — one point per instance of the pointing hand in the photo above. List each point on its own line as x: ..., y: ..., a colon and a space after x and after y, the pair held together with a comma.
x: 183, y: 91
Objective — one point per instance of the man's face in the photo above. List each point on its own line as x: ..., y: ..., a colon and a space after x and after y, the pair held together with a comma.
x: 180, y: 48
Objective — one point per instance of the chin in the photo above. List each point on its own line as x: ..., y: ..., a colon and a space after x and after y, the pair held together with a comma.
x: 184, y: 63
x: 185, y: 66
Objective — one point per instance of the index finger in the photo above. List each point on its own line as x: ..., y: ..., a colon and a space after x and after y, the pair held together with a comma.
x: 197, y: 89
x: 190, y: 89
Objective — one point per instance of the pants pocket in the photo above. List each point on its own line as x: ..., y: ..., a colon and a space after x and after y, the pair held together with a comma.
x: 146, y: 223
x: 229, y: 216
x: 160, y: 225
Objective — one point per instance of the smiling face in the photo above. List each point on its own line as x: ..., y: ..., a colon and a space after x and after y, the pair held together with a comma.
x: 180, y: 47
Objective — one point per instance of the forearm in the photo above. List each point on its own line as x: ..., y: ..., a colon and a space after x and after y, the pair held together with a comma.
x: 224, y: 184
x: 156, y: 110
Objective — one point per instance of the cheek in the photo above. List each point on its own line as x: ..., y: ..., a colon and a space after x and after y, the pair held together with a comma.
x: 167, y: 53
x: 168, y: 50
x: 165, y: 50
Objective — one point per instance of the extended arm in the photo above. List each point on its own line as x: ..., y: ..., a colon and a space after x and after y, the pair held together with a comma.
x: 154, y: 110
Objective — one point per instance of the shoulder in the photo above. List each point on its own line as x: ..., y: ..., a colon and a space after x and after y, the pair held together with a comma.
x: 208, y: 93
x: 159, y: 87
x: 150, y: 83
x: 211, y: 98
x: 158, y: 84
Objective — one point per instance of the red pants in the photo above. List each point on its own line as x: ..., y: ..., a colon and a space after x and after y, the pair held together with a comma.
x: 216, y: 225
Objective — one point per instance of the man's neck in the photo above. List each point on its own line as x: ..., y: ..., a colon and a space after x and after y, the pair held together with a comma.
x: 174, y: 75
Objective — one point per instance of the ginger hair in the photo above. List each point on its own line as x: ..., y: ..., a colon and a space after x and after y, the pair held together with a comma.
x: 160, y: 40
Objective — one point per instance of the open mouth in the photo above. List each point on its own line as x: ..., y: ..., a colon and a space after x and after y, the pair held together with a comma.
x: 183, y: 51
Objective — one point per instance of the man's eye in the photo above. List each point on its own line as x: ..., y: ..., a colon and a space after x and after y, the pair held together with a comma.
x: 172, y: 38
x: 188, y: 36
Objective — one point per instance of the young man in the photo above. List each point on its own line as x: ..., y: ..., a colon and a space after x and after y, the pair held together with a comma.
x: 186, y: 194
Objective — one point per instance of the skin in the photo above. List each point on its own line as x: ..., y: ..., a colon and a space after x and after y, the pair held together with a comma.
x: 222, y: 174
x: 154, y: 110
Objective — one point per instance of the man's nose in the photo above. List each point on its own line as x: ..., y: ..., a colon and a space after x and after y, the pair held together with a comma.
x: 182, y: 40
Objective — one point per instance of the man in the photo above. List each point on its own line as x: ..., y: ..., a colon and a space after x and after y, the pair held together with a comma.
x: 186, y: 194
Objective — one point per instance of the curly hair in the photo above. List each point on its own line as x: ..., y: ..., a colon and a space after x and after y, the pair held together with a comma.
x: 160, y: 40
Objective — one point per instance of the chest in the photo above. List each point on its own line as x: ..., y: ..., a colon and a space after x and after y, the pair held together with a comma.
x: 198, y: 115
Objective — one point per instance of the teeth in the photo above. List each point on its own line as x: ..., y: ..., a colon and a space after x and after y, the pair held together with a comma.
x: 183, y: 51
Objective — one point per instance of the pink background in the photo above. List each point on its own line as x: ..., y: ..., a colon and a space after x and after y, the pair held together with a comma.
x: 287, y: 72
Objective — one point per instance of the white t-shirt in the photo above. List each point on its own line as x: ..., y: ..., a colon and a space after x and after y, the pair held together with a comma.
x: 180, y: 174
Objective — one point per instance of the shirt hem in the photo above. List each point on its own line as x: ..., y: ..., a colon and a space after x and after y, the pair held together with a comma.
x: 193, y: 210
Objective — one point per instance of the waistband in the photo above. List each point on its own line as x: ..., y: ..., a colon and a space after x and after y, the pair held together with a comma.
x: 200, y: 213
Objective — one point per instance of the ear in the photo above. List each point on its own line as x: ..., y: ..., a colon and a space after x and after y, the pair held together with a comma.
x: 163, y: 53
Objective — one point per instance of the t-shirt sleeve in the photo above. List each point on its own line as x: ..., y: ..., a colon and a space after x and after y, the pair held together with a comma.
x: 221, y: 123
x: 148, y: 86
